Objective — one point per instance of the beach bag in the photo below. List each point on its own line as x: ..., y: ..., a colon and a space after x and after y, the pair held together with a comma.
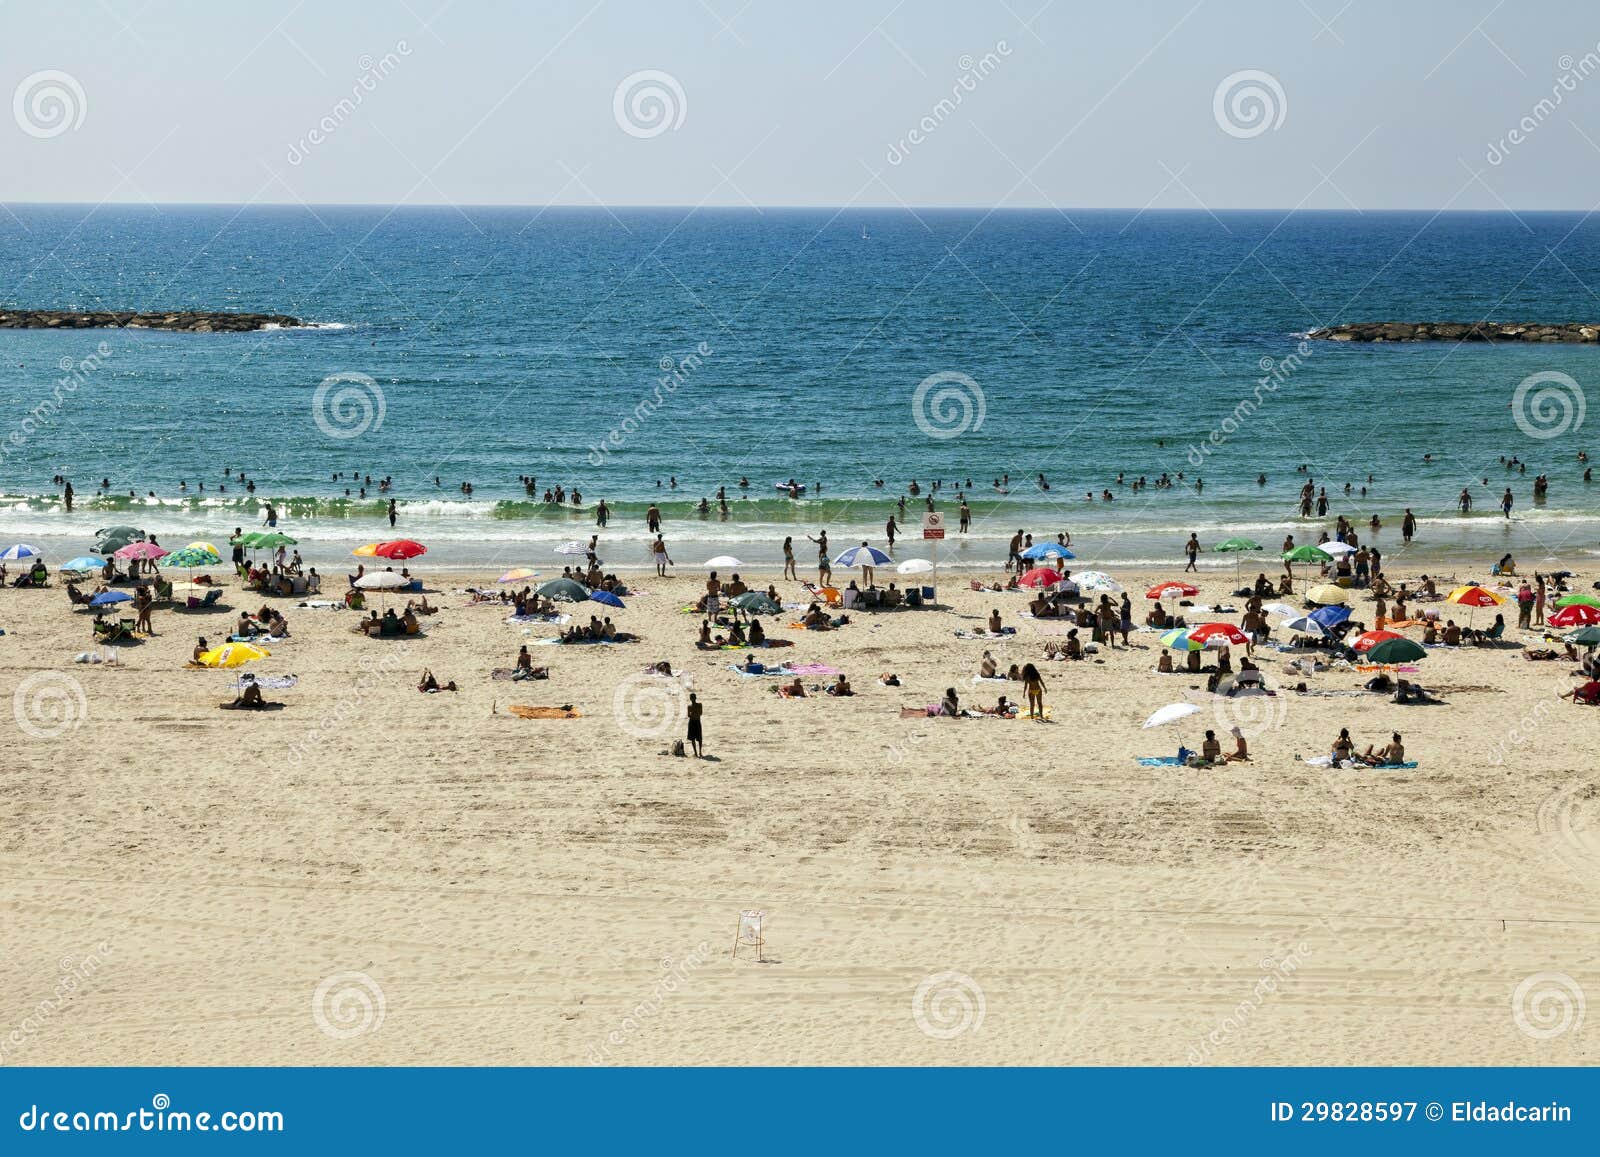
x: 678, y: 748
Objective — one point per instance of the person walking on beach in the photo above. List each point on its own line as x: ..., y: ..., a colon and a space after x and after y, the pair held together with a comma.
x: 658, y: 551
x: 1464, y: 500
x: 789, y: 571
x: 888, y: 529
x: 1192, y: 549
x: 1014, y: 551
x: 392, y: 514
x: 1505, y: 502
x: 695, y: 711
x: 1033, y: 685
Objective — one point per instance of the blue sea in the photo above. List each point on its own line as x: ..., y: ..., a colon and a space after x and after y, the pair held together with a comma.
x: 615, y: 352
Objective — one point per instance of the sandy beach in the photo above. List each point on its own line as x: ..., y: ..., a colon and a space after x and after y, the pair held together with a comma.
x: 377, y: 876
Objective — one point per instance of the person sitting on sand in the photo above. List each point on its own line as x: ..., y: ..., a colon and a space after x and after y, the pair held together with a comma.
x: 200, y: 648
x: 1452, y: 633
x: 390, y: 623
x: 951, y: 703
x: 841, y: 687
x: 735, y: 634
x: 1430, y: 633
x: 249, y: 698
x: 1343, y: 745
x: 429, y: 684
x: 795, y: 690
x: 1249, y: 674
x: 1241, y: 749
x: 1393, y: 753
x: 987, y: 667
x: 889, y: 679
x: 1164, y: 663
x: 815, y: 619
x: 1585, y: 693
x: 757, y: 635
x: 661, y: 668
x: 420, y: 606
x: 1003, y: 708
x: 1210, y: 749
x: 994, y: 621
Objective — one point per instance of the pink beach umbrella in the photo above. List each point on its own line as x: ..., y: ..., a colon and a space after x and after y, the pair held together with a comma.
x: 143, y: 551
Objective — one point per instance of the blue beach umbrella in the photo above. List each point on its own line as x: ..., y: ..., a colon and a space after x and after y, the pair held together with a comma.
x: 1330, y: 616
x: 862, y: 555
x: 84, y: 562
x: 20, y: 550
x: 108, y: 598
x: 1047, y: 550
x: 607, y: 598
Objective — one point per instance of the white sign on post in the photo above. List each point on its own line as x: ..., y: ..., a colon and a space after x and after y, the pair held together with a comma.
x: 933, y: 525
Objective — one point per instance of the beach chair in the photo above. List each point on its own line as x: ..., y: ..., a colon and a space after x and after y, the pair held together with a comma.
x: 832, y: 597
x: 1493, y: 634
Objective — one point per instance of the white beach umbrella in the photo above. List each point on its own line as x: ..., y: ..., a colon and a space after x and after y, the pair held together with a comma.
x: 1095, y: 580
x: 914, y: 566
x: 383, y: 580
x: 722, y: 562
x: 1306, y: 625
x: 1336, y: 549
x: 1282, y: 609
x: 1171, y: 713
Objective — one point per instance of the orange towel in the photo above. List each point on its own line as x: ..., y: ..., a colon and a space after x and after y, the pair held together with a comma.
x: 543, y: 712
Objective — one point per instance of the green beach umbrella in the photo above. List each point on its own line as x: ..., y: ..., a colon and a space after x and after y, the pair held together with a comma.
x: 1179, y: 640
x: 1578, y: 599
x: 1396, y: 651
x: 1237, y: 546
x: 113, y: 538
x: 755, y: 603
x: 191, y: 557
x: 563, y: 590
x: 266, y: 540
x: 1307, y: 554
x: 1583, y: 636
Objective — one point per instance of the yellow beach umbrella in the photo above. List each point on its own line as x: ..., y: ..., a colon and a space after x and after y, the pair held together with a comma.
x: 1328, y: 594
x: 204, y: 546
x: 233, y: 655
x: 1474, y: 597
x: 368, y: 551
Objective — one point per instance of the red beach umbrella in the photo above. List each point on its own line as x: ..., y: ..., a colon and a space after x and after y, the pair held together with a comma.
x: 399, y: 550
x: 1040, y: 576
x: 1212, y: 634
x: 1370, y: 639
x: 1171, y: 589
x: 1577, y: 615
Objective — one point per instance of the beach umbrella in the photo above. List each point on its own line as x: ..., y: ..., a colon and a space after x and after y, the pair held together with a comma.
x: 1283, y: 609
x: 233, y: 655
x: 144, y: 551
x: 862, y: 556
x: 607, y: 598
x: 1328, y: 594
x: 1237, y: 546
x: 1577, y: 615
x: 755, y: 603
x: 914, y: 566
x: 1578, y: 599
x: 1370, y: 639
x: 110, y: 598
x: 20, y: 551
x: 1179, y: 640
x: 383, y: 580
x: 517, y: 575
x: 205, y: 546
x: 573, y: 547
x: 1172, y: 590
x: 1042, y: 576
x: 370, y: 550
x: 721, y: 562
x: 191, y: 557
x: 113, y: 538
x: 1396, y: 651
x: 1330, y: 616
x: 1336, y: 549
x: 400, y: 550
x: 1216, y: 634
x: 84, y: 562
x: 1044, y: 550
x: 1171, y: 713
x: 1096, y: 580
x: 1307, y: 554
x: 1583, y: 636
x: 1306, y: 625
x: 563, y: 590
x: 270, y: 540
x: 1474, y: 597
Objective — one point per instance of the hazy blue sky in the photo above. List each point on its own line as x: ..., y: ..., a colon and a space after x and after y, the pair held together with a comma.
x: 1382, y: 105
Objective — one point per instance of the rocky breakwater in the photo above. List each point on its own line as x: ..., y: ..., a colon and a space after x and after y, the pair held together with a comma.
x: 1525, y: 331
x: 187, y: 321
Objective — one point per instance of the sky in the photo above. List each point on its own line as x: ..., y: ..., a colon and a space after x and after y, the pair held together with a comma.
x: 1316, y: 104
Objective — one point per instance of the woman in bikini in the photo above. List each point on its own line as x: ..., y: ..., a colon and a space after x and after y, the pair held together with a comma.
x: 1033, y: 684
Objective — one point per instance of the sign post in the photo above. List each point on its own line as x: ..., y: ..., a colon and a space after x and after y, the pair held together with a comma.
x: 933, y: 532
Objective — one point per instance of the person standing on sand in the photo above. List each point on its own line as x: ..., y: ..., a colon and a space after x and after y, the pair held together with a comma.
x: 1014, y: 551
x: 1192, y: 549
x: 789, y: 571
x: 1033, y: 685
x: 696, y: 710
x: 658, y: 551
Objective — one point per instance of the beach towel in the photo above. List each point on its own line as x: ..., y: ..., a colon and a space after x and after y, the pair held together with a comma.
x: 522, y: 712
x: 539, y: 619
x: 262, y: 706
x: 1004, y: 631
x: 738, y: 670
x: 509, y: 674
x: 813, y: 669
x: 320, y: 605
x: 976, y: 679
x: 1158, y: 761
x: 267, y: 682
x: 1355, y: 765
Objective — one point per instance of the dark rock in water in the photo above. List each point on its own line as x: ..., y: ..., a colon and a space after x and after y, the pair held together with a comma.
x: 181, y: 321
x: 1526, y: 331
